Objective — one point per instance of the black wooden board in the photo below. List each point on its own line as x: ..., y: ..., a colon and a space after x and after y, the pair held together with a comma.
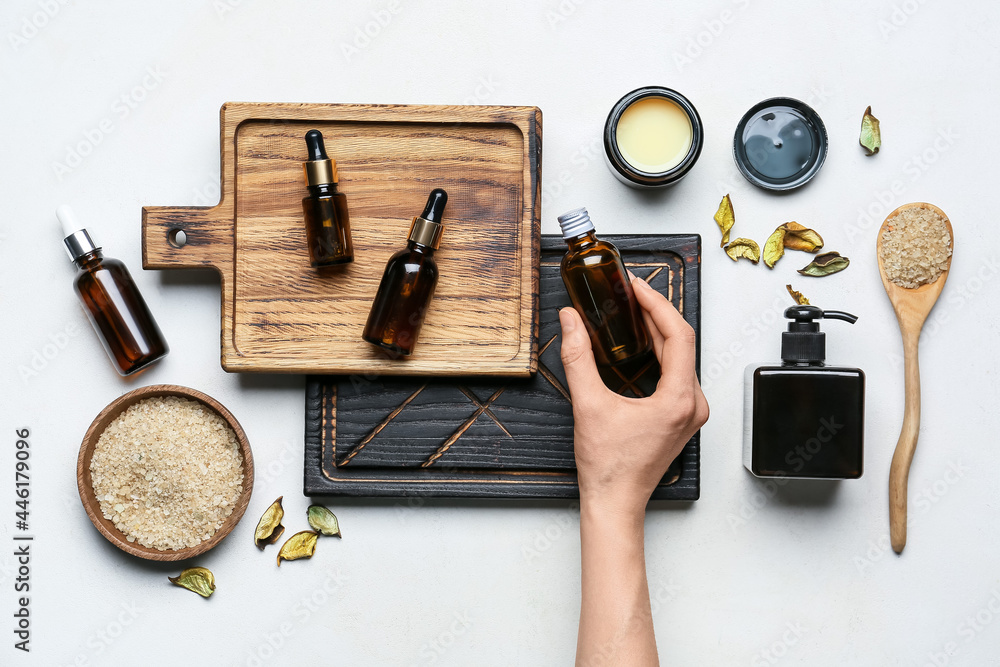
x: 490, y: 437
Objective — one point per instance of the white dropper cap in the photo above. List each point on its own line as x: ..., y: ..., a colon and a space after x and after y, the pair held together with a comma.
x: 75, y: 237
x: 67, y: 218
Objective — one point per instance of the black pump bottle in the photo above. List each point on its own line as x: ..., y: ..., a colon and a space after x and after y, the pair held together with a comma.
x: 803, y: 418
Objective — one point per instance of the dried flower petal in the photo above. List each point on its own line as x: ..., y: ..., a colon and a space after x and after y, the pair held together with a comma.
x: 299, y: 545
x: 799, y: 297
x: 825, y: 264
x: 197, y: 579
x: 802, y: 238
x: 742, y: 247
x: 871, y: 136
x: 269, y: 528
x: 774, y: 247
x: 726, y: 218
x: 324, y: 521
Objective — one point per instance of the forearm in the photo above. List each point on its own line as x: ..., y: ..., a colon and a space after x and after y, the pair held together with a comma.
x: 616, y: 626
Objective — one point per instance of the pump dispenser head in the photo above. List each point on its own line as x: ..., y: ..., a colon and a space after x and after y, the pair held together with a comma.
x: 804, y: 342
x: 319, y: 168
x: 77, y: 240
x: 427, y: 227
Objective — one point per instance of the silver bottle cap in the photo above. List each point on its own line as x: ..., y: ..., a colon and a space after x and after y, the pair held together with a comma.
x: 79, y: 244
x: 574, y: 223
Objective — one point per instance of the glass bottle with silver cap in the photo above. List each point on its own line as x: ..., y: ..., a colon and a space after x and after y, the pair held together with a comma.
x: 599, y: 288
x: 112, y: 301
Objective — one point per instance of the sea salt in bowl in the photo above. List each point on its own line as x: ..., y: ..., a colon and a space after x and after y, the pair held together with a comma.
x: 231, y: 450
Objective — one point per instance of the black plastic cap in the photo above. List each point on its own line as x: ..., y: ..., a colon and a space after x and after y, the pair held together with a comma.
x: 314, y: 142
x: 804, y: 342
x: 434, y: 211
x: 780, y: 144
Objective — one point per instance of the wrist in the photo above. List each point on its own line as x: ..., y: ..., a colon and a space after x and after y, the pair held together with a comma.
x: 625, y: 509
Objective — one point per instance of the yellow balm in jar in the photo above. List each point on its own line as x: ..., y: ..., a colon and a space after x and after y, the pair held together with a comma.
x: 652, y: 137
x: 654, y: 134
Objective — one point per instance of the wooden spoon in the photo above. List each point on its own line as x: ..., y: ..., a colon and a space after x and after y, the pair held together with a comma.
x: 912, y: 305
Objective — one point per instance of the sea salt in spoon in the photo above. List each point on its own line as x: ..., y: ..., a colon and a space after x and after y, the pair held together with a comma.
x: 912, y: 305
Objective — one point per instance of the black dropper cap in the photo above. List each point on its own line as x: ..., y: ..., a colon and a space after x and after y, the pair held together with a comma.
x: 434, y: 210
x: 319, y: 168
x: 427, y: 227
x: 804, y: 342
x: 314, y: 142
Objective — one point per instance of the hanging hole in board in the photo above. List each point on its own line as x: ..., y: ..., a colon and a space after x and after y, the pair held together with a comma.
x: 177, y: 238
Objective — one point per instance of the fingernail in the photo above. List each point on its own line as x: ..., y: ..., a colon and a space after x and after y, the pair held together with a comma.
x: 566, y: 320
x: 641, y: 283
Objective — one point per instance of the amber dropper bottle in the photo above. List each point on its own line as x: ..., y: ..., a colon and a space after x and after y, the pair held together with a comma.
x: 408, y: 283
x: 599, y: 288
x: 112, y: 301
x: 328, y: 227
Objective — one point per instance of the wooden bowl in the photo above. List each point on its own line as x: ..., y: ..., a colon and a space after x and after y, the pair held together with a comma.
x: 85, y: 482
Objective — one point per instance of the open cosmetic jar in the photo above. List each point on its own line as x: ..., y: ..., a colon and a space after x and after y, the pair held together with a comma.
x: 652, y: 138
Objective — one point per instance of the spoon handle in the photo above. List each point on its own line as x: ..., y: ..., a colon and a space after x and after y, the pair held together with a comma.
x: 907, y: 444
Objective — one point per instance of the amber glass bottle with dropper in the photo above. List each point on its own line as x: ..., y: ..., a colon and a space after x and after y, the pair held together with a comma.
x: 408, y: 283
x: 328, y: 227
x: 599, y: 288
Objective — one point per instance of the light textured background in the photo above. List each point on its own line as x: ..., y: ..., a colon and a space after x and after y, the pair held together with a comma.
x: 751, y: 573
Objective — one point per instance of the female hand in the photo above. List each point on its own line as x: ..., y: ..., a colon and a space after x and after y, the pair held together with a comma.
x: 624, y: 445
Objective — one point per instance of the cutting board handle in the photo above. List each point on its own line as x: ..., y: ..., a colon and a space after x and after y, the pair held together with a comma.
x: 187, y: 237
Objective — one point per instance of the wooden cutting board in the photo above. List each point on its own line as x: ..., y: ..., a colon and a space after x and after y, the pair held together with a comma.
x: 279, y: 315
x: 489, y: 437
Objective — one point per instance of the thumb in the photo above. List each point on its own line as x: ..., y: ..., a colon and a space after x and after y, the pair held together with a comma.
x: 578, y: 356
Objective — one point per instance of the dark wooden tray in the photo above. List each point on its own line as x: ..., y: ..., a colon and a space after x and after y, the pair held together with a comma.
x: 489, y: 437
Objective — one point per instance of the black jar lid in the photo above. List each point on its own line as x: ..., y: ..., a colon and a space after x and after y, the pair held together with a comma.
x: 780, y: 144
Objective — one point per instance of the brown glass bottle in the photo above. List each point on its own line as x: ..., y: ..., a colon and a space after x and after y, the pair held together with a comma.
x: 328, y: 226
x: 599, y: 288
x: 113, y: 303
x: 408, y: 283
